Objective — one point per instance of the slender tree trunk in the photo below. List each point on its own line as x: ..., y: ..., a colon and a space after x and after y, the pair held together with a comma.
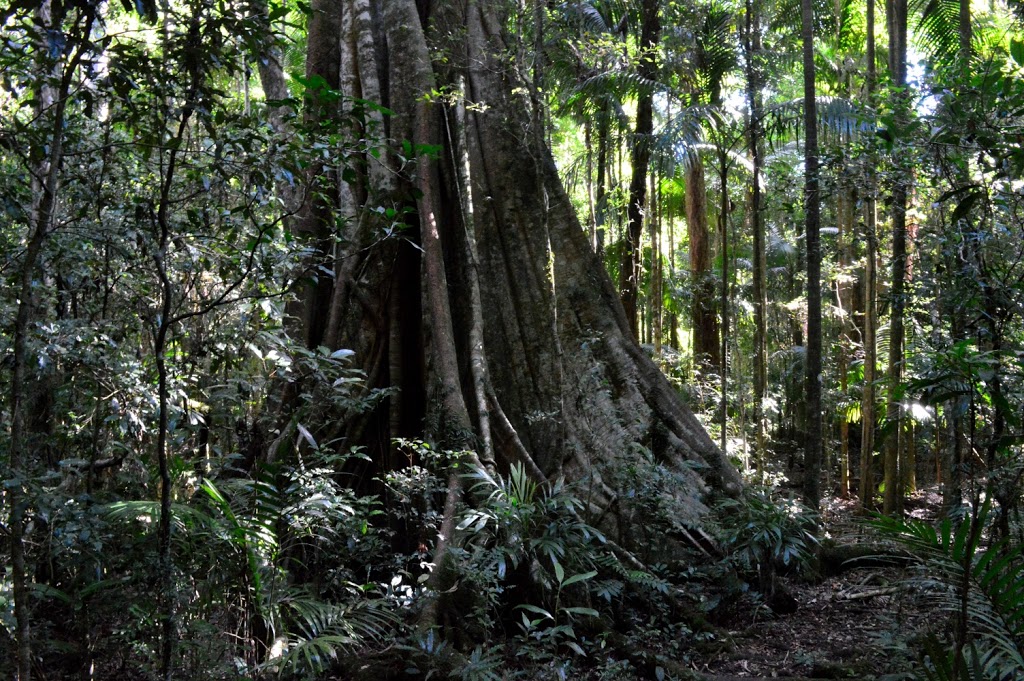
x: 845, y: 212
x: 723, y: 219
x: 813, y: 451
x: 892, y: 501
x: 162, y: 235
x: 52, y: 107
x: 705, y: 322
x: 601, y: 200
x: 673, y: 317
x: 955, y: 408
x: 752, y: 47
x: 867, y: 440
x: 632, y: 252
x: 657, y: 265
x: 966, y: 34
x: 588, y: 142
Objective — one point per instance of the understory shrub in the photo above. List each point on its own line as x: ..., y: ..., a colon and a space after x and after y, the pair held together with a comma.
x: 763, y: 536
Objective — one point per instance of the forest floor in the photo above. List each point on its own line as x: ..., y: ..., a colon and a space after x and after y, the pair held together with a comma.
x: 858, y: 624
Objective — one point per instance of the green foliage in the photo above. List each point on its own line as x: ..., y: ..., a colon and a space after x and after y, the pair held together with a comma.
x: 526, y: 521
x: 763, y: 535
x: 979, y: 585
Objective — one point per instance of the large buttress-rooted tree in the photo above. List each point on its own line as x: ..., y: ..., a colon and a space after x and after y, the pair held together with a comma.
x: 490, y: 314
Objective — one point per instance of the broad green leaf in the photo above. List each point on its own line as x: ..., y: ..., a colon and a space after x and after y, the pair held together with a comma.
x: 580, y: 578
x: 559, y: 570
x: 587, y: 612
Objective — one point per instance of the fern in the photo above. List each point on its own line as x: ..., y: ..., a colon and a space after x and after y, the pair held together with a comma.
x: 638, y: 578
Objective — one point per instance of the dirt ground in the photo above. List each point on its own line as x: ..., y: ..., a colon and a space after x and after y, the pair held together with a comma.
x: 859, y: 624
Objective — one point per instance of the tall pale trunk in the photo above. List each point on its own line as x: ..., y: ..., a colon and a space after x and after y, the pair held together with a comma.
x: 657, y: 266
x: 752, y: 49
x: 723, y: 302
x: 845, y: 211
x: 867, y: 440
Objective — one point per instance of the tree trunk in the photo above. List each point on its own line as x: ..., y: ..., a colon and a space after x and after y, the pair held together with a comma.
x: 657, y: 266
x: 812, y: 453
x: 568, y: 390
x: 867, y: 410
x: 632, y: 251
x: 966, y: 34
x: 723, y: 303
x: 705, y: 322
x: 845, y: 212
x: 601, y: 200
x: 47, y: 160
x: 752, y: 47
x: 897, y: 20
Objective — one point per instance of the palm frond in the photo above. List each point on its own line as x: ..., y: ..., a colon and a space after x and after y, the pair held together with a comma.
x: 938, y: 29
x: 842, y: 118
x: 321, y: 632
x: 680, y: 137
x: 586, y: 16
x: 984, y: 585
x: 614, y: 84
x: 717, y: 51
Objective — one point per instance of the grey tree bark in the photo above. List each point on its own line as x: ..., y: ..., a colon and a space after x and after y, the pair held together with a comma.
x: 752, y: 50
x: 494, y: 289
x: 867, y: 441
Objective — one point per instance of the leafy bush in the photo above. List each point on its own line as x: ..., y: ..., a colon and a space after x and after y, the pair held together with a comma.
x: 763, y: 535
x: 530, y: 557
x: 276, y: 554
